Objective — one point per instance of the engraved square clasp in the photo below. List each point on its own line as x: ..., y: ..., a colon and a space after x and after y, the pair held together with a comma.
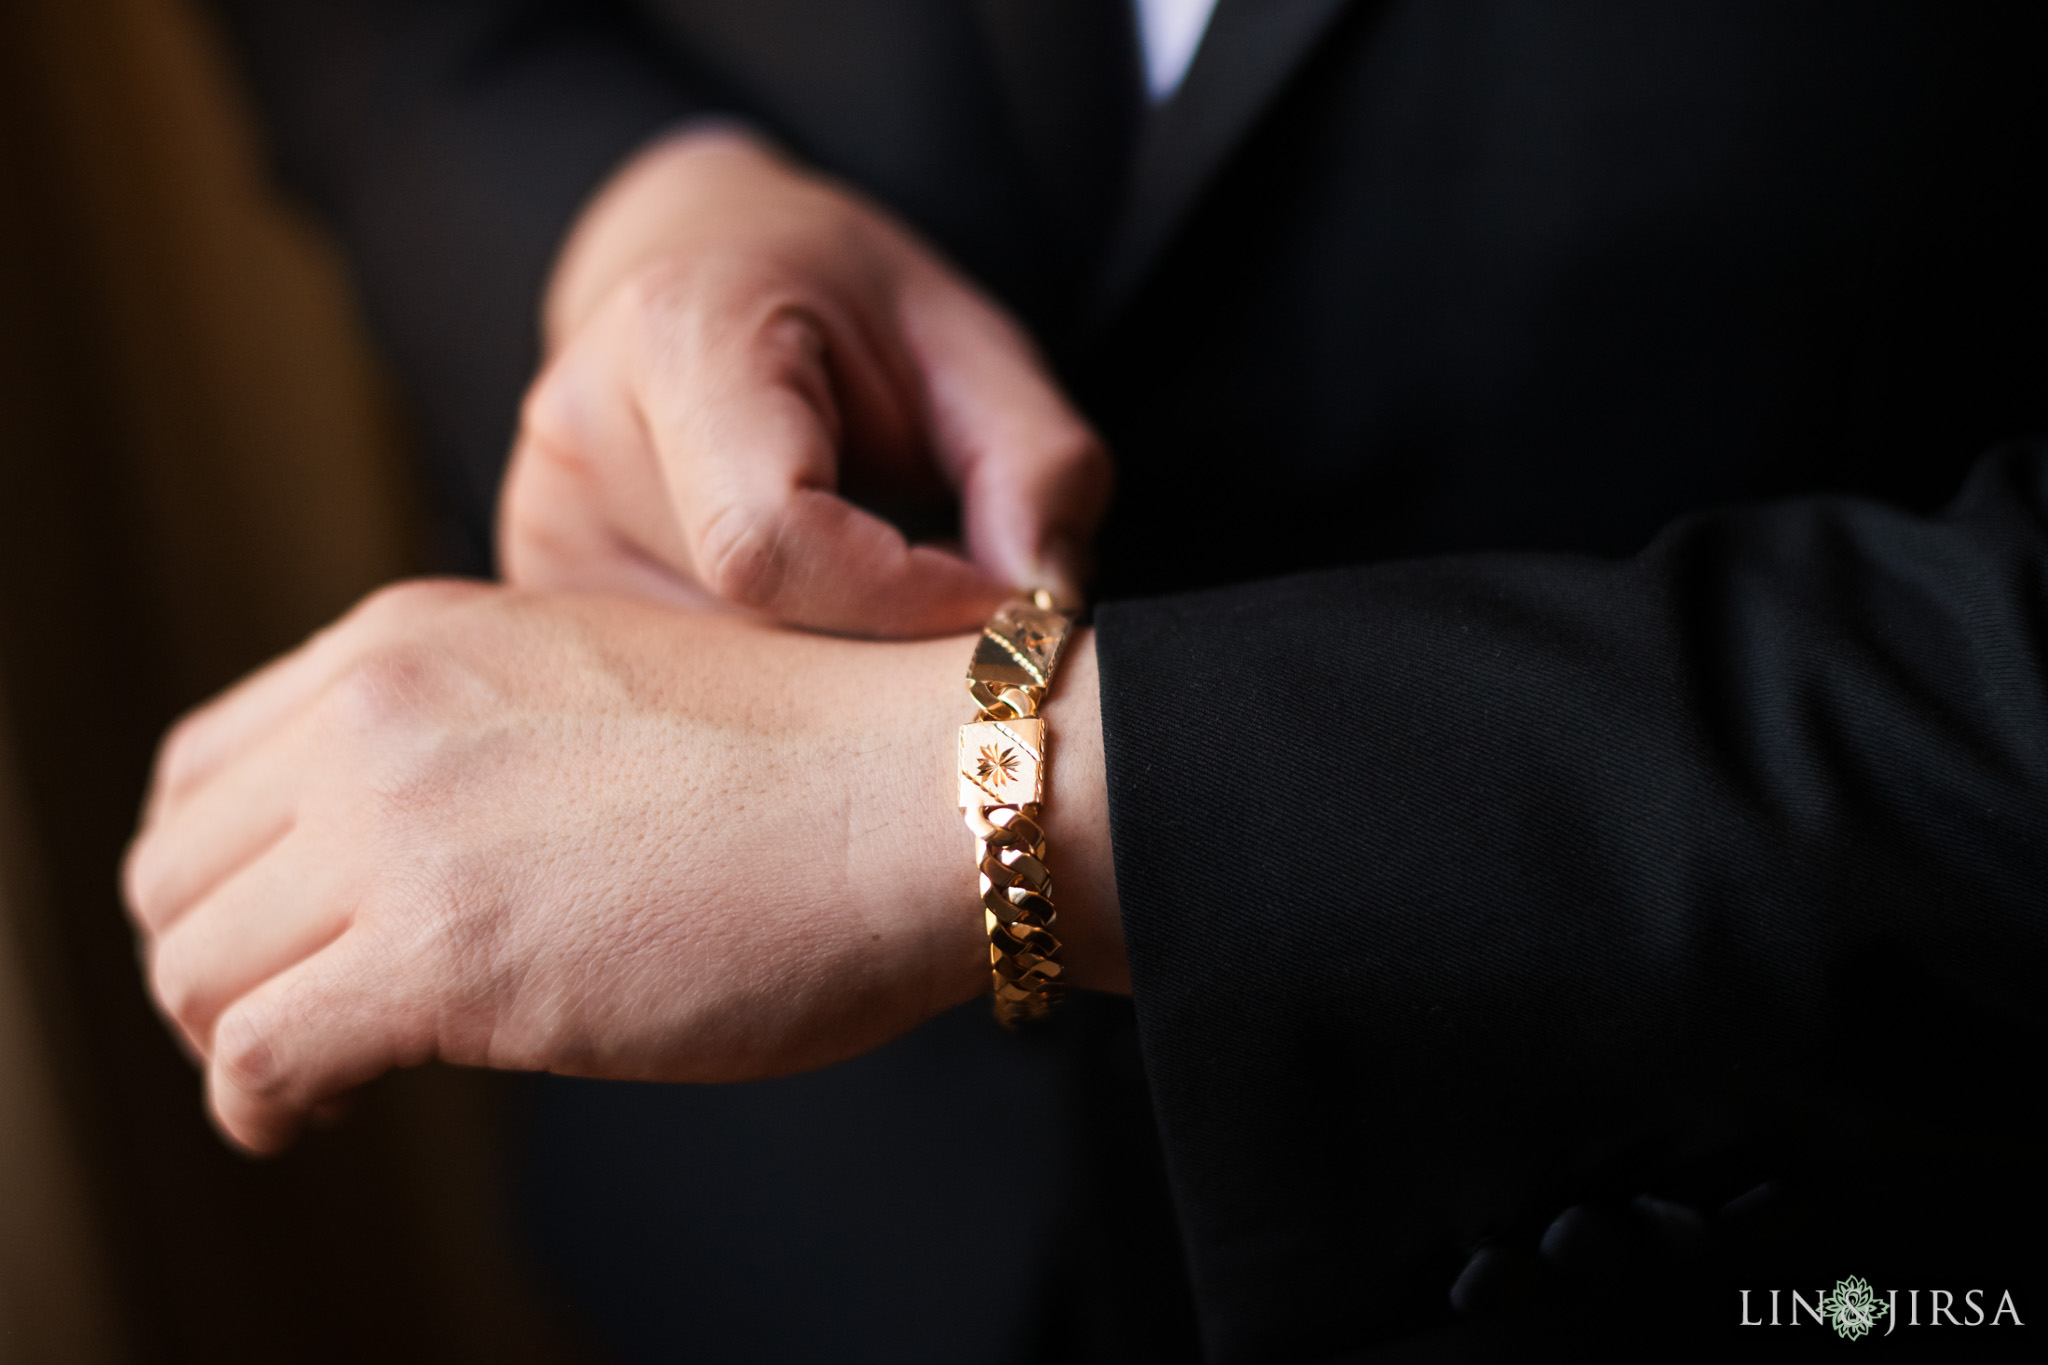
x: 1020, y: 646
x: 1002, y: 763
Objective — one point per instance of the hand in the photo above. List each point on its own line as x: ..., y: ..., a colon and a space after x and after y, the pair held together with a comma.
x: 577, y: 834
x: 732, y: 342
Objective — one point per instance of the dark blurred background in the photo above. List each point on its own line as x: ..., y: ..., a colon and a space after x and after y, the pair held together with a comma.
x: 200, y: 463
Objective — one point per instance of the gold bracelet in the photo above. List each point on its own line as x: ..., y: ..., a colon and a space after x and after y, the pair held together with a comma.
x: 1002, y: 783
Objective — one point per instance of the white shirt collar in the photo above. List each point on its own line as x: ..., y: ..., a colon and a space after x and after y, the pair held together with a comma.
x: 1170, y: 31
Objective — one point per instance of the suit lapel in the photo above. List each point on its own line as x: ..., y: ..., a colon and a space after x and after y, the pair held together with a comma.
x: 1251, y: 49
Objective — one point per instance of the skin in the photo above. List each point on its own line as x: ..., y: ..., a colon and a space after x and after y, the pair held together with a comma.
x: 730, y: 340
x: 579, y: 834
x: 618, y: 820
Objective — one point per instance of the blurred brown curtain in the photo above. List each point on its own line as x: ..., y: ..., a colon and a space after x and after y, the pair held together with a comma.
x: 200, y: 462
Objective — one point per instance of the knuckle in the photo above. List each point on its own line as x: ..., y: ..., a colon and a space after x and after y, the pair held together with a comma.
x: 418, y: 598
x: 786, y: 336
x: 392, y: 688
x: 174, y: 983
x: 683, y: 305
x: 577, y: 413
x: 668, y: 300
x: 245, y: 1054
x: 531, y: 530
x: 179, y: 756
x: 139, y: 878
x: 401, y: 607
x: 531, y: 548
x: 551, y: 415
x: 663, y: 289
x: 742, y: 556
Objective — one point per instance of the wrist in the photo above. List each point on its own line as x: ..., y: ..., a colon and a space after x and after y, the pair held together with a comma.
x: 929, y: 854
x: 913, y: 835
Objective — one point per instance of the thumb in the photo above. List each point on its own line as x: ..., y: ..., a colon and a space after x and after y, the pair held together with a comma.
x: 1033, y: 477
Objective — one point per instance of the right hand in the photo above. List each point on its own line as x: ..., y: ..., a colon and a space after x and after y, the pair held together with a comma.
x: 729, y: 338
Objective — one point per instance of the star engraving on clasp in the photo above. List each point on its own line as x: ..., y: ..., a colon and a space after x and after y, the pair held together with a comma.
x: 997, y: 762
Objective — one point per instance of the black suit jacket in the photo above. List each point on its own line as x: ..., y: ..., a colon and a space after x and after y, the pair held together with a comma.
x: 1649, y: 795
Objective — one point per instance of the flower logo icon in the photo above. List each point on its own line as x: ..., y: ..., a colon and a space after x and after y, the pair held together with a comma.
x: 1853, y: 1308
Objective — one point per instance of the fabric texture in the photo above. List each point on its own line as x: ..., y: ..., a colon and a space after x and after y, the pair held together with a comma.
x: 1587, y: 878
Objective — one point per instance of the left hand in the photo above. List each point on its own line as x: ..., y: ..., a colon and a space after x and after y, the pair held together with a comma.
x: 576, y: 834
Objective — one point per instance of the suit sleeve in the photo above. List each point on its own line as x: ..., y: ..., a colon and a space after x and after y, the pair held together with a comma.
x: 1457, y: 891
x: 450, y: 143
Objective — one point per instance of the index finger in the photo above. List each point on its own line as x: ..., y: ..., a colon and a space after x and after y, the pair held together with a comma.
x: 749, y: 401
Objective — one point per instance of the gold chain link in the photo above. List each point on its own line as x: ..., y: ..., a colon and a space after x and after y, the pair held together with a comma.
x: 1002, y: 763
